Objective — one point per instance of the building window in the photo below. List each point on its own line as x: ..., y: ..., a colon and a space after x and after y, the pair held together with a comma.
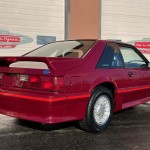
x: 42, y: 40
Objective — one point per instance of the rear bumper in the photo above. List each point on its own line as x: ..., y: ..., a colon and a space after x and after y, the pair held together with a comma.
x: 45, y: 109
x: 48, y: 108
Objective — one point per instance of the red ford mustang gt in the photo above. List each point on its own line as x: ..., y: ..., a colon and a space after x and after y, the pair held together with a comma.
x: 85, y: 80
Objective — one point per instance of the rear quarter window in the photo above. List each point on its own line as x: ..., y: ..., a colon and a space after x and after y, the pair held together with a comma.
x: 111, y: 57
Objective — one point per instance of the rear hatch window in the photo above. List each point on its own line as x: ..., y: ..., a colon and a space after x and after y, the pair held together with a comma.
x: 65, y: 49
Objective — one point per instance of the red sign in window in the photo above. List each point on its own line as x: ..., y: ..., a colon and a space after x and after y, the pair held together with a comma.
x: 145, y: 51
x: 7, y: 46
x: 9, y: 38
x: 142, y: 45
x: 9, y: 41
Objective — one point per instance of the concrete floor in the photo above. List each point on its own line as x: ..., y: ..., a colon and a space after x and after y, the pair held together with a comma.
x: 129, y: 130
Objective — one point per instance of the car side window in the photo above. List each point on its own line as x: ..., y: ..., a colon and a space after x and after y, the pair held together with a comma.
x: 111, y: 57
x: 131, y: 58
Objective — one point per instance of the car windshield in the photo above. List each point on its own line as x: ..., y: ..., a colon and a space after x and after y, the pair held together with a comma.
x: 65, y: 49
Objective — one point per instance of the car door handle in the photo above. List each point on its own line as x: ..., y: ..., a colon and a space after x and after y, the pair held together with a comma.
x: 130, y: 74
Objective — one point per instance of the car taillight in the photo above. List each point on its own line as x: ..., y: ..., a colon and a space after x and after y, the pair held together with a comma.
x: 53, y: 83
x: 58, y: 82
x: 34, y: 79
x: 47, y: 85
x: 41, y: 82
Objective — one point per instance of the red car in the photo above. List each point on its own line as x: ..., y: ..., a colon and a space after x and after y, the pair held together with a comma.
x: 85, y: 80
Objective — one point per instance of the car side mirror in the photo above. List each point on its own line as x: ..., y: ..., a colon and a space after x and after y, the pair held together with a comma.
x: 148, y: 65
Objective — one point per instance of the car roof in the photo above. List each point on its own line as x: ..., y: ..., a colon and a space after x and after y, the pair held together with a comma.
x: 107, y: 40
x: 117, y: 42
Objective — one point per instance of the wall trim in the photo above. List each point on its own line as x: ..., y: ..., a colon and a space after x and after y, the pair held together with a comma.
x: 67, y: 19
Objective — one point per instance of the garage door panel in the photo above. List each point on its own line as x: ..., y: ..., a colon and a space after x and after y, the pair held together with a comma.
x: 30, y: 18
x: 126, y: 20
x: 123, y: 18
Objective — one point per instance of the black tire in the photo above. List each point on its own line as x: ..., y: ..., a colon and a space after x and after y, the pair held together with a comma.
x: 89, y: 123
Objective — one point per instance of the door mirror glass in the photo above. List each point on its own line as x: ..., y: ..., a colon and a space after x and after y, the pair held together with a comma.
x: 148, y: 65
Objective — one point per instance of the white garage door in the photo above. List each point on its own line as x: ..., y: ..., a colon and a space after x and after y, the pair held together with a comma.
x: 27, y: 24
x: 127, y: 20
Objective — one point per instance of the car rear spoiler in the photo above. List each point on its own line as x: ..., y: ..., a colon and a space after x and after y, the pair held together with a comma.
x: 6, y: 61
